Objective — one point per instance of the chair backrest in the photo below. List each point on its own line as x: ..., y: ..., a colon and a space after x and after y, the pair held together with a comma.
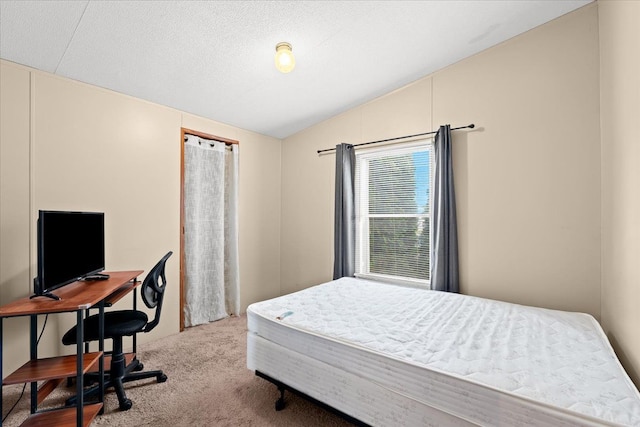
x: 153, y: 288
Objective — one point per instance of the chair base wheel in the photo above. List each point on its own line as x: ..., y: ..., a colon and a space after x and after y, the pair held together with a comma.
x: 280, y: 404
x: 162, y: 378
x: 139, y: 367
x: 126, y: 405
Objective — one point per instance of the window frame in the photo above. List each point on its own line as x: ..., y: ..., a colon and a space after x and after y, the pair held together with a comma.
x: 362, y: 259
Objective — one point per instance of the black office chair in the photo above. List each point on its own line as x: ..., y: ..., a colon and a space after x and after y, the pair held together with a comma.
x: 118, y: 324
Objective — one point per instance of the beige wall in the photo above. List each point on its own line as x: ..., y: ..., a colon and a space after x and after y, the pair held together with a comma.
x: 527, y: 179
x: 15, y: 256
x: 620, y: 105
x: 96, y: 150
x: 73, y: 146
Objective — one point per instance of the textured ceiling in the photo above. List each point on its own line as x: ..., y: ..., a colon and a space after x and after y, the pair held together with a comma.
x: 215, y: 58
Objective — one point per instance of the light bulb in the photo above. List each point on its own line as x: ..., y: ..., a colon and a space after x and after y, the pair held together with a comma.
x: 285, y: 62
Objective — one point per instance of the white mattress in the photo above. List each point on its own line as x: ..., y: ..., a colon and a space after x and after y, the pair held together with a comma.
x: 482, y: 361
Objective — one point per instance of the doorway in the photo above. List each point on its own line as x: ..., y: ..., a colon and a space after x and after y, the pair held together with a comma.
x: 209, y: 278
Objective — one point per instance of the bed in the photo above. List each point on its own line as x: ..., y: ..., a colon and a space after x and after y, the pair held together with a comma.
x: 383, y: 354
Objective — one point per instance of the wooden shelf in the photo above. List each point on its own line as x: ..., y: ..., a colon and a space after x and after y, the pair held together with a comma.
x: 63, y: 417
x: 128, y: 358
x: 47, y: 387
x: 51, y: 368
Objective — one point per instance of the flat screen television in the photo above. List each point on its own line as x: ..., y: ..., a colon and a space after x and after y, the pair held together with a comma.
x: 70, y: 247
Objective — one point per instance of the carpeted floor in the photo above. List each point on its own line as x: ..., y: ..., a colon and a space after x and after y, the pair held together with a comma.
x: 208, y: 385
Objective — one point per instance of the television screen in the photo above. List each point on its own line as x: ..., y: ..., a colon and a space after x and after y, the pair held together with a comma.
x: 70, y: 247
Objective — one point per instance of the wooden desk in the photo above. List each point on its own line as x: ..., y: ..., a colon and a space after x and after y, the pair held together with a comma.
x: 77, y: 296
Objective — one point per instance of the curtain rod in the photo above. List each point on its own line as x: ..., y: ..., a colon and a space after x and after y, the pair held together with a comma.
x: 471, y: 126
x: 225, y: 141
x: 222, y: 140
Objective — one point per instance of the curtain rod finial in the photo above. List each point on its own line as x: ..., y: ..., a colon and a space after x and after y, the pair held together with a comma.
x: 471, y: 126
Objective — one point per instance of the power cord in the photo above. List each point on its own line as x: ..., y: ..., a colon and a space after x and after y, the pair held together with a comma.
x: 24, y: 387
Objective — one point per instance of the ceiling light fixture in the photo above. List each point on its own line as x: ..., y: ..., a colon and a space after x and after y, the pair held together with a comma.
x: 285, y: 62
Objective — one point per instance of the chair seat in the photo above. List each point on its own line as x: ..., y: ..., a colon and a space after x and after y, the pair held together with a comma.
x: 116, y: 324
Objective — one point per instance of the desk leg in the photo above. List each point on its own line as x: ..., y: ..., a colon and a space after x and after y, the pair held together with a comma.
x: 101, y: 348
x: 79, y: 369
x: 86, y: 345
x: 1, y: 373
x: 135, y: 336
x: 33, y: 346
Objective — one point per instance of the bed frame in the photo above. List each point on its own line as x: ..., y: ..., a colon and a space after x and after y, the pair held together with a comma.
x: 280, y: 402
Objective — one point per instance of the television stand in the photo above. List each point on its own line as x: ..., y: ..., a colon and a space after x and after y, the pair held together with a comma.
x: 51, y: 371
x: 48, y: 295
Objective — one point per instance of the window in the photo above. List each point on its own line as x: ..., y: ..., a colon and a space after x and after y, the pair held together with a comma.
x: 392, y: 213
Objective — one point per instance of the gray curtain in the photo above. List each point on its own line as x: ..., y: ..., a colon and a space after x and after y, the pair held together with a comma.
x: 345, y: 213
x: 444, y: 255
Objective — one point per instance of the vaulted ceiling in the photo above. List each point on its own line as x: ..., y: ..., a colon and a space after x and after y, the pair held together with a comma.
x: 215, y: 58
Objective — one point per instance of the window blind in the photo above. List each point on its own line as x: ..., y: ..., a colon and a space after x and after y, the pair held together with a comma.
x: 392, y: 212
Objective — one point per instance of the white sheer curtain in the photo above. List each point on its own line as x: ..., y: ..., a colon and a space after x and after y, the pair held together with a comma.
x: 211, y: 231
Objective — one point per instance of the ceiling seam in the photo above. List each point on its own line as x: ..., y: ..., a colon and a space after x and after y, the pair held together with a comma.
x: 66, y: 48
